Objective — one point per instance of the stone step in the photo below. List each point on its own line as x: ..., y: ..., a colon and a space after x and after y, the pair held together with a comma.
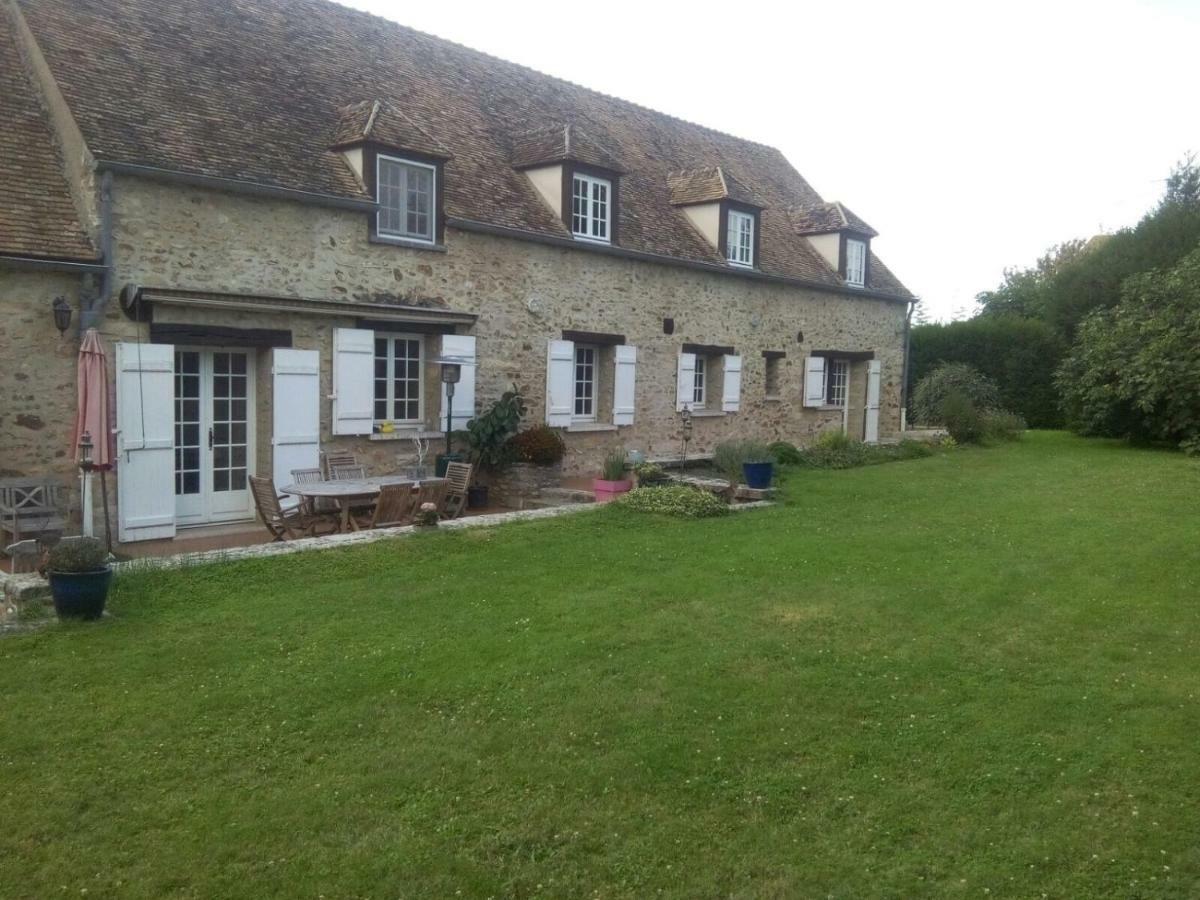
x: 560, y: 496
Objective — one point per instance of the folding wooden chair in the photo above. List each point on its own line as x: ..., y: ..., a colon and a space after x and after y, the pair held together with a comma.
x: 330, y: 460
x: 396, y: 505
x: 458, y: 479
x: 281, y: 523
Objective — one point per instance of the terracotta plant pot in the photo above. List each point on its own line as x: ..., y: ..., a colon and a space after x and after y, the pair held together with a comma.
x: 609, y: 490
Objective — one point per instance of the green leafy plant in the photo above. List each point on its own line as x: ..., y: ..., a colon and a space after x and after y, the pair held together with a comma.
x: 934, y: 389
x: 785, y: 453
x: 962, y: 418
x: 426, y: 516
x: 727, y: 459
x: 488, y: 435
x: 999, y: 425
x: 540, y: 445
x: 679, y: 500
x: 651, y: 474
x: 81, y: 555
x: 613, y: 467
x: 756, y: 452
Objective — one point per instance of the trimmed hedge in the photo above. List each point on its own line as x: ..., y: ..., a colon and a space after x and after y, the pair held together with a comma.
x: 1019, y: 355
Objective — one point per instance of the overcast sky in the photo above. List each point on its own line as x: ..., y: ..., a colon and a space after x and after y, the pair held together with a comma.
x: 972, y: 136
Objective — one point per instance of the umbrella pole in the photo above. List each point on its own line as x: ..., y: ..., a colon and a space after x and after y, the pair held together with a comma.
x: 104, y: 495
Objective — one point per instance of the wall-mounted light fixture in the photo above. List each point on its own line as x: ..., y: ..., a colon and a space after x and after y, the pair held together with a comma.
x: 62, y: 315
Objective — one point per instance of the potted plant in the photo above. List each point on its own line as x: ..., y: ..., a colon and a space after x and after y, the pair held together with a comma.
x: 79, y: 576
x: 758, y: 465
x: 612, y: 481
x: 427, y: 516
x: 488, y: 436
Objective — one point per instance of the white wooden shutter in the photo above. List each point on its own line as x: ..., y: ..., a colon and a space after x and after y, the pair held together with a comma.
x: 871, y: 430
x: 296, y: 413
x: 145, y: 441
x: 731, y: 383
x: 624, y: 380
x: 560, y: 383
x: 353, y: 380
x: 814, y: 381
x: 685, y: 382
x: 461, y: 349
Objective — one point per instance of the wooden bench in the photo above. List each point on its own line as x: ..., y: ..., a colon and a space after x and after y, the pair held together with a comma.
x: 32, y: 507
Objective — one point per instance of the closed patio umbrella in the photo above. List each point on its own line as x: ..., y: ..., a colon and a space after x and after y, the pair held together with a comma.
x: 93, y: 417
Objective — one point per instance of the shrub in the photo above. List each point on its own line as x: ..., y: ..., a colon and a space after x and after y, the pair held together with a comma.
x: 1018, y: 354
x: 962, y: 418
x: 834, y: 440
x: 488, y: 434
x: 679, y: 500
x: 651, y: 474
x: 613, y: 467
x: 836, y: 450
x: 81, y: 555
x: 728, y: 457
x: 952, y: 378
x: 999, y: 425
x: 785, y: 454
x: 540, y: 445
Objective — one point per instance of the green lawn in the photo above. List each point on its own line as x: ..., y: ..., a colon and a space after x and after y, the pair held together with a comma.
x: 974, y: 675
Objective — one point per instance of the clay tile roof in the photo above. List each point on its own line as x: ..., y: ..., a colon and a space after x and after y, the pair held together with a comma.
x: 707, y: 185
x: 828, y: 217
x: 381, y: 122
x: 256, y: 90
x: 559, y: 143
x: 37, y: 215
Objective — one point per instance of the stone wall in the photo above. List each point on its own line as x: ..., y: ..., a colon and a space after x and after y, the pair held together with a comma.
x: 167, y: 236
x: 524, y: 294
x: 513, y: 485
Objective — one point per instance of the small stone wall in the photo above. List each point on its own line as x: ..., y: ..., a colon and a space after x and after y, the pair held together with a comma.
x: 518, y: 484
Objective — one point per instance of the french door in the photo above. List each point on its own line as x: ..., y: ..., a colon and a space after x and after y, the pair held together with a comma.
x: 214, y: 435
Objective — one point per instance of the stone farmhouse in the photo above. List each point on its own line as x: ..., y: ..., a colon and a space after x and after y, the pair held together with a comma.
x: 280, y: 215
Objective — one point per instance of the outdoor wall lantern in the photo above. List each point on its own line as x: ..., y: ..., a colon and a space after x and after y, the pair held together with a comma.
x: 62, y: 315
x: 451, y: 373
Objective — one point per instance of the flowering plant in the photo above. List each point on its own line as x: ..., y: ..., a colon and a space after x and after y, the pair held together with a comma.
x: 427, y: 514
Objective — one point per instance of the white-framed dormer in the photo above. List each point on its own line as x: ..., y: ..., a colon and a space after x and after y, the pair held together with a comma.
x: 406, y: 190
x: 855, y: 261
x: 590, y: 216
x: 741, y: 236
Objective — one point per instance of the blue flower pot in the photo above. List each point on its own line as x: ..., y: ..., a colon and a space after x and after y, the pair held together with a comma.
x: 80, y: 595
x: 758, y: 475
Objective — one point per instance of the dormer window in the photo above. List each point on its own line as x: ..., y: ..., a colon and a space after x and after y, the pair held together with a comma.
x: 591, y: 207
x: 856, y: 262
x: 739, y: 238
x: 406, y: 196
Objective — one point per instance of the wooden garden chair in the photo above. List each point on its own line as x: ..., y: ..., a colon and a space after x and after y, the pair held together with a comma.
x: 351, y: 472
x: 332, y: 460
x: 458, y: 479
x: 396, y: 505
x: 430, y: 492
x: 283, y: 524
x: 316, y: 506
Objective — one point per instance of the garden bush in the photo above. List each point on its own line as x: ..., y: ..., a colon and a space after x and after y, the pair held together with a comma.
x: 728, y: 457
x: 952, y: 378
x: 651, y: 474
x: 961, y: 417
x: 786, y: 454
x: 999, y: 425
x: 541, y: 445
x: 835, y: 450
x: 680, y: 500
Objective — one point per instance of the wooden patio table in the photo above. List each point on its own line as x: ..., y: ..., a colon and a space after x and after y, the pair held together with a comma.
x: 346, y: 493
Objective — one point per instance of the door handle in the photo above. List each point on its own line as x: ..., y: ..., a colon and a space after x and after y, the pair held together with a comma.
x: 210, y: 439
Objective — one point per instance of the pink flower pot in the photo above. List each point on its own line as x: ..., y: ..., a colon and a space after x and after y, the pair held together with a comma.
x: 609, y: 490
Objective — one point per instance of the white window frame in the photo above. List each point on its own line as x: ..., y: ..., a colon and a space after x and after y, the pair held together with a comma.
x: 700, y: 383
x: 858, y: 275
x: 739, y: 240
x: 837, y: 374
x: 590, y: 220
x: 582, y: 350
x: 391, y: 337
x: 431, y: 237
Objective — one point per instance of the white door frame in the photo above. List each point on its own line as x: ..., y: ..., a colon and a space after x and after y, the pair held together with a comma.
x: 210, y: 506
